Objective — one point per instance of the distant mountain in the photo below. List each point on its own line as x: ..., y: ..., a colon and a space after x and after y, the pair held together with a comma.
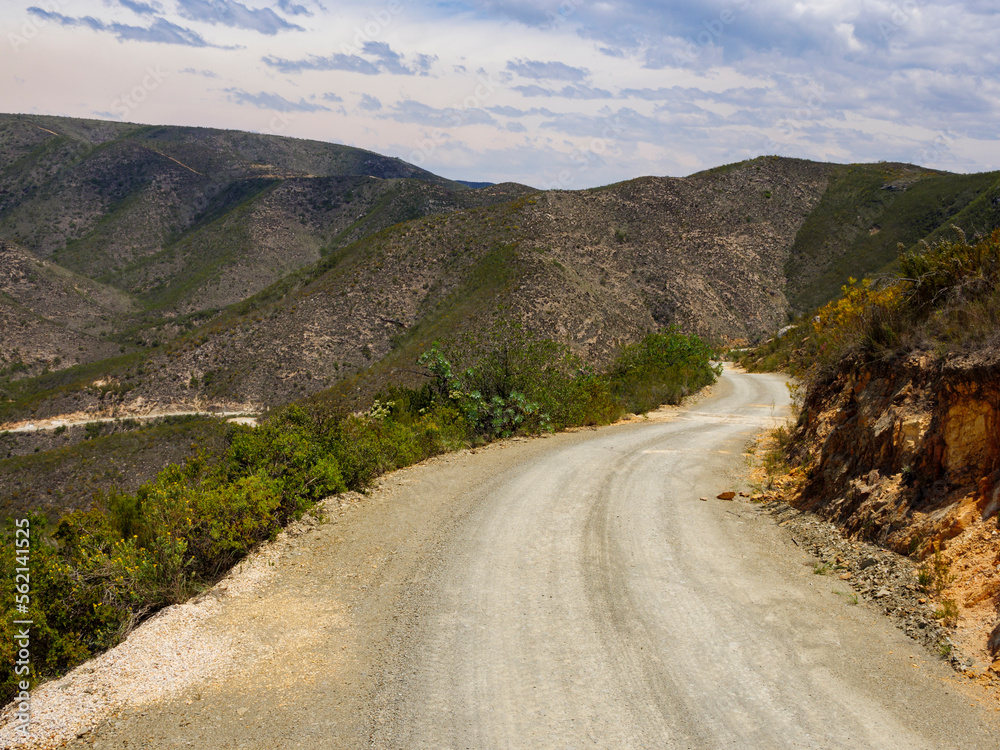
x: 595, y: 268
x: 475, y: 185
x: 227, y: 267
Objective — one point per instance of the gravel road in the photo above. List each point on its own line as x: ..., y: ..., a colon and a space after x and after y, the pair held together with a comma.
x: 572, y: 591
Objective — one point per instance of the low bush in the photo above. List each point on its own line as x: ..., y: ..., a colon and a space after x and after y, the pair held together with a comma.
x: 506, y: 381
x: 662, y: 368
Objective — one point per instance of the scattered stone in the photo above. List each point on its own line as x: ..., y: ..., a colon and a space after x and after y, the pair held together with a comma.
x: 703, y: 498
x: 874, y: 573
x: 726, y: 495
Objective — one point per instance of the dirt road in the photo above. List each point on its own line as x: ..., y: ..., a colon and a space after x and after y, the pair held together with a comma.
x: 566, y: 592
x: 75, y: 420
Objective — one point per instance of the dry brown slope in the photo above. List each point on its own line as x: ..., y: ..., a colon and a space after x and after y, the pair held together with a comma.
x: 594, y: 268
x: 52, y: 317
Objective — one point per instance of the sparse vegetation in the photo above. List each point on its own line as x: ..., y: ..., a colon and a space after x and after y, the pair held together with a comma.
x: 947, y: 612
x: 850, y: 597
x: 933, y: 575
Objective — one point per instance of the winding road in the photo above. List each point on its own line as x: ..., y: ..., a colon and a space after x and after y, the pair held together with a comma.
x: 565, y: 592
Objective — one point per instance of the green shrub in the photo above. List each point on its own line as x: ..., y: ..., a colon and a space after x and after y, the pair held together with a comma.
x: 945, y: 299
x: 507, y: 381
x: 662, y: 368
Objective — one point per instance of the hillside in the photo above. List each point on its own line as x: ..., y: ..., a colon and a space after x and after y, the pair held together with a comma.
x: 52, y: 317
x: 219, y: 268
x: 189, y: 220
x: 868, y: 210
x: 594, y: 268
x: 897, y: 441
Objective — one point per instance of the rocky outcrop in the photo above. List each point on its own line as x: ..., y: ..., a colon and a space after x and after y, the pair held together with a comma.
x: 906, y: 454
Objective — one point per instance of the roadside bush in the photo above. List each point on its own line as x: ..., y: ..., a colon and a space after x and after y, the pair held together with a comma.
x: 101, y: 572
x: 507, y: 381
x: 662, y: 368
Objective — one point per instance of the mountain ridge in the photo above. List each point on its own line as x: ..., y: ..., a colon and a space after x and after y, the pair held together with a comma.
x: 262, y: 269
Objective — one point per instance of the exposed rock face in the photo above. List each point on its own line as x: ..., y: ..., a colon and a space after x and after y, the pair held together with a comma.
x: 907, y: 454
x: 994, y: 642
x: 909, y: 451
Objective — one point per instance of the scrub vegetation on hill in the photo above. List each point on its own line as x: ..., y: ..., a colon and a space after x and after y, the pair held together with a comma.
x: 943, y: 300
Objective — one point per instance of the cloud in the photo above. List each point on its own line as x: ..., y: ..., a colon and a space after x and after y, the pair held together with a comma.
x: 650, y: 95
x: 292, y: 9
x: 728, y: 31
x: 375, y: 58
x: 160, y: 31
x: 533, y: 90
x: 369, y: 103
x: 205, y: 73
x: 421, y: 114
x: 584, y: 92
x: 566, y: 92
x: 59, y: 18
x: 337, y: 61
x: 140, y: 8
x: 547, y: 71
x: 234, y: 14
x: 268, y: 100
x: 391, y: 61
x: 507, y: 111
x: 623, y: 124
x: 329, y: 96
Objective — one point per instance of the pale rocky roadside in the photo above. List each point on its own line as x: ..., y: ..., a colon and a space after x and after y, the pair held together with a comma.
x: 171, y: 651
x: 892, y: 582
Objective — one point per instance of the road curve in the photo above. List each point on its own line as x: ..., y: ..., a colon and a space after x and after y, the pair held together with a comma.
x: 565, y: 592
x: 592, y: 600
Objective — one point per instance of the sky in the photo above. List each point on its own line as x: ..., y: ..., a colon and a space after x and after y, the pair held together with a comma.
x: 550, y: 93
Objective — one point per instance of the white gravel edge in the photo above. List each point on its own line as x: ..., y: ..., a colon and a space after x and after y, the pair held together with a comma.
x: 166, y: 654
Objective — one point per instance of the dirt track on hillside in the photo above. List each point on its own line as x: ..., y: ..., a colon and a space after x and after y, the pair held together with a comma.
x: 562, y: 592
